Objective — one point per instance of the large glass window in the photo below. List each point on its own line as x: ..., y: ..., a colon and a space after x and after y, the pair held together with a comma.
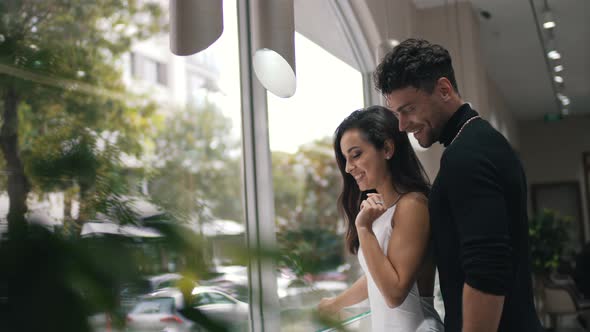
x: 121, y: 163
x: 310, y: 233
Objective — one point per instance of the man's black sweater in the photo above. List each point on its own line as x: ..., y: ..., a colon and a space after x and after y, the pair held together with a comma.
x: 478, y: 212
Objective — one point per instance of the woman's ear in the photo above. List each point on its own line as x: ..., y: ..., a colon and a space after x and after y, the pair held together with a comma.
x: 389, y: 149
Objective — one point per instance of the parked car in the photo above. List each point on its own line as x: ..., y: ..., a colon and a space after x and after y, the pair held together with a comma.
x: 221, y: 306
x: 131, y: 292
x: 162, y: 310
x: 165, y: 280
x: 232, y: 280
x: 159, y: 311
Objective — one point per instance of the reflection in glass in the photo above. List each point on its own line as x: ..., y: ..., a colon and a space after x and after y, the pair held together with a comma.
x: 117, y: 160
x: 314, y: 263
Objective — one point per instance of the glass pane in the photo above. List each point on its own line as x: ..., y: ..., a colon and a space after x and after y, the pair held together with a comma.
x: 306, y: 178
x: 121, y: 161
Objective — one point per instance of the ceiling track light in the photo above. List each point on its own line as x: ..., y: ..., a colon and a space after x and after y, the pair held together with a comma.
x: 549, y: 25
x: 564, y: 99
x: 547, y: 16
x: 554, y: 55
x: 558, y: 79
x: 545, y: 26
x: 385, y: 47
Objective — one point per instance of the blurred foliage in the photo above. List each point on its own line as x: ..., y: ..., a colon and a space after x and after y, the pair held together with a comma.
x: 53, y: 283
x: 548, y: 236
x: 66, y: 279
x: 307, y: 184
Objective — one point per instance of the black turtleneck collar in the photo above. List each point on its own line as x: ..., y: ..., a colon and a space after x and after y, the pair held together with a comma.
x: 451, y: 128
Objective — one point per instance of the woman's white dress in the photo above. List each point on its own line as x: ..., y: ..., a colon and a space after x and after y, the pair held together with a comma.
x: 414, y: 314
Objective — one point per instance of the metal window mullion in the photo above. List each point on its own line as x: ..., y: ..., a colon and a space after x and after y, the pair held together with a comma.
x: 258, y: 185
x: 370, y: 95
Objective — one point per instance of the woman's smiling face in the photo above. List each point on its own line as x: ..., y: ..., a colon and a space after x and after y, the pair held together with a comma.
x: 365, y: 163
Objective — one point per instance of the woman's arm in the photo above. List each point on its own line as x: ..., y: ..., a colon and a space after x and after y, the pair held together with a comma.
x: 354, y: 294
x: 395, y: 273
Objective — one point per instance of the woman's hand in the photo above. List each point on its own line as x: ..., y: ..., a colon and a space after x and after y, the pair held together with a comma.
x: 371, y: 209
x: 328, y: 306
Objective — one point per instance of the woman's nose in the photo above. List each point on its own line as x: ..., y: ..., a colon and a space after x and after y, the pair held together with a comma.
x: 349, y: 167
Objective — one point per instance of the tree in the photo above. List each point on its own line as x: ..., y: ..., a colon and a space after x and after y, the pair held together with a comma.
x: 197, y: 168
x: 62, y: 92
x: 288, y: 182
x: 322, y: 184
x: 307, y: 185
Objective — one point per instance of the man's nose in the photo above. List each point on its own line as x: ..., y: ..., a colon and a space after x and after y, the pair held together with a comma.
x: 402, y: 123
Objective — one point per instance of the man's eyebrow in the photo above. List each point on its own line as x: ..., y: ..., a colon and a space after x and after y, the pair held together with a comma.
x: 399, y: 109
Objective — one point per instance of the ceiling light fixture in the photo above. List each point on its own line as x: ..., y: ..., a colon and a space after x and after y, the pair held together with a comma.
x: 564, y: 99
x: 545, y: 26
x: 194, y: 25
x: 385, y: 47
x: 553, y: 55
x: 273, y: 30
x: 547, y: 14
x: 548, y: 21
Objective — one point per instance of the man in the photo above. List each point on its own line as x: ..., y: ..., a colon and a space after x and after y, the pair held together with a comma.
x: 478, y: 200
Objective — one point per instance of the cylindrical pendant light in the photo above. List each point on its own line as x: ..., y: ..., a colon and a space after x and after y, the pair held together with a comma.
x: 194, y: 25
x: 273, y: 31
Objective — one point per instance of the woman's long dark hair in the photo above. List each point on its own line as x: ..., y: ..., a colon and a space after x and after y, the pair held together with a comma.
x: 377, y: 125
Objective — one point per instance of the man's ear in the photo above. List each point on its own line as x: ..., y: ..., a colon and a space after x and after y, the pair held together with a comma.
x: 444, y: 88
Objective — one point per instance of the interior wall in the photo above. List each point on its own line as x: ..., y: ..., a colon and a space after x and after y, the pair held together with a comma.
x: 552, y: 152
x: 456, y: 27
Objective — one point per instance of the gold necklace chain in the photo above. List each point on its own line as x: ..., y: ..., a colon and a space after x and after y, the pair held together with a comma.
x: 463, y: 126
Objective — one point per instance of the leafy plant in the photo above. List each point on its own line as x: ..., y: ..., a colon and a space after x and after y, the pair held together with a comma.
x: 547, y: 236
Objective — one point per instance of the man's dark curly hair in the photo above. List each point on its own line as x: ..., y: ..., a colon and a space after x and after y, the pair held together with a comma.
x: 416, y: 63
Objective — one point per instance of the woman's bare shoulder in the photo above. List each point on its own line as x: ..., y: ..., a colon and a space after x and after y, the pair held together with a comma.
x: 413, y: 199
x: 412, y: 207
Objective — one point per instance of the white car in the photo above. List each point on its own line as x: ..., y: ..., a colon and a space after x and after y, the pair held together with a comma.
x: 160, y: 310
x: 221, y: 306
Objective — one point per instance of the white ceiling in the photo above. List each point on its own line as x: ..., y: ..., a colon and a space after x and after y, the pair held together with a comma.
x: 317, y: 21
x: 515, y: 58
x: 511, y: 46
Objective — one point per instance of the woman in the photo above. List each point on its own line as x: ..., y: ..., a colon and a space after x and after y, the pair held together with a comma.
x: 384, y: 202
